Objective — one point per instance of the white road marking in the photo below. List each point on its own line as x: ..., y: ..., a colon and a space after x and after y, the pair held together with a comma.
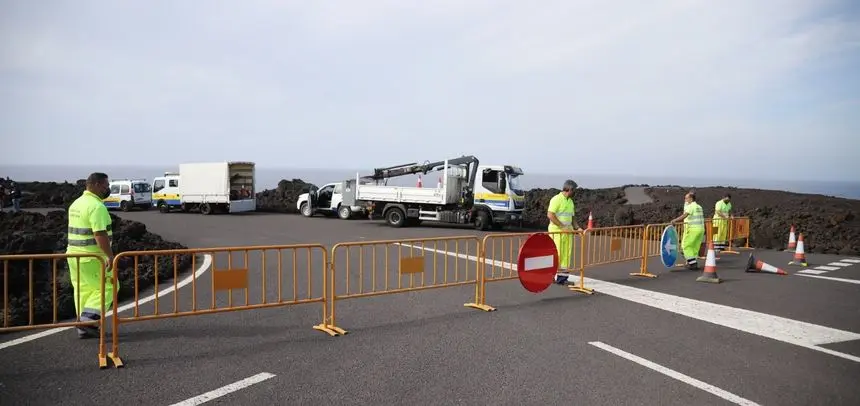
x: 851, y: 260
x: 789, y: 331
x: 225, y: 390
x: 538, y: 262
x: 207, y: 262
x: 827, y: 268
x: 830, y: 278
x: 812, y: 271
x: 731, y: 397
x: 840, y: 264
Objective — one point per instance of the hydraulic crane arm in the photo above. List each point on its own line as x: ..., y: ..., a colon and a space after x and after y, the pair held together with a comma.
x: 413, y: 168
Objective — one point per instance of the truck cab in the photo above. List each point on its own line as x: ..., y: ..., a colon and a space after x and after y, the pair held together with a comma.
x: 126, y: 194
x: 498, y: 187
x: 165, y: 192
x: 328, y: 200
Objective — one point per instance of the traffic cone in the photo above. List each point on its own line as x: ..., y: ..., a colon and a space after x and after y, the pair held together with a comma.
x: 792, y: 241
x: 754, y: 265
x: 590, y: 221
x: 799, y: 254
x: 709, y: 275
x: 419, y: 181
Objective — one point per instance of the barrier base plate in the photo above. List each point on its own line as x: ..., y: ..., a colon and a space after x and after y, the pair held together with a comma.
x: 333, y: 331
x: 645, y: 274
x: 117, y: 361
x: 484, y: 307
x: 581, y: 289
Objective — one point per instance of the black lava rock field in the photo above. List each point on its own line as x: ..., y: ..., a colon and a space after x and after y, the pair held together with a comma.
x: 829, y: 224
x: 36, y: 233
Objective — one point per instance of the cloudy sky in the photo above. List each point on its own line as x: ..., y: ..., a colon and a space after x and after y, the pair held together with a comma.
x: 753, y: 88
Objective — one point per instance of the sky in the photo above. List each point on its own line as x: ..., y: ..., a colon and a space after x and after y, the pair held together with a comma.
x: 765, y: 89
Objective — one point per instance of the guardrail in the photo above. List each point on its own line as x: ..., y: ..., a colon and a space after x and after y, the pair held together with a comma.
x: 60, y: 283
x: 256, y: 277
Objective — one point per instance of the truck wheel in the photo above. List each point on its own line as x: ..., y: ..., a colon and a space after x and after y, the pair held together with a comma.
x: 163, y: 207
x: 124, y: 206
x: 482, y: 221
x: 205, y: 209
x: 395, y: 217
x: 306, y: 210
x: 344, y: 212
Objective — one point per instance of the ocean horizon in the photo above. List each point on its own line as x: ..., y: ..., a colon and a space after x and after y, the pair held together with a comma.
x: 268, y: 178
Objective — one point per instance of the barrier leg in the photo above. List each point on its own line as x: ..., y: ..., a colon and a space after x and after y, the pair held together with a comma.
x: 643, y: 267
x: 580, y: 286
x: 480, y: 292
x: 328, y: 323
x: 113, y: 355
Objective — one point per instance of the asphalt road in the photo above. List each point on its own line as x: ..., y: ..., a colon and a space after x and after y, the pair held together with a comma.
x: 767, y: 339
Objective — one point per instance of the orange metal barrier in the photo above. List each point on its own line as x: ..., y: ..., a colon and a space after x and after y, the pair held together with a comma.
x: 372, y: 268
x: 230, y: 269
x: 608, y: 245
x: 500, y: 255
x: 739, y: 230
x: 16, y: 274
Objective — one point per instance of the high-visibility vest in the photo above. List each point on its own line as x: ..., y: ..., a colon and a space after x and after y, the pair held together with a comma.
x: 81, y: 237
x: 722, y: 207
x: 695, y: 216
x: 564, y: 210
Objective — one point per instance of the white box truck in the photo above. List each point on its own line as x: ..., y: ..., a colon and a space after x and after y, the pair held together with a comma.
x: 217, y: 187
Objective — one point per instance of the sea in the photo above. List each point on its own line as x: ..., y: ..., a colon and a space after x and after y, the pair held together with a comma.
x: 268, y: 177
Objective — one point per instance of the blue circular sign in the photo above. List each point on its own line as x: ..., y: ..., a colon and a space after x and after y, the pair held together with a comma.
x: 669, y: 246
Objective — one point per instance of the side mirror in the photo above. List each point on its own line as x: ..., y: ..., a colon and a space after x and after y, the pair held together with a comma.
x: 502, y: 183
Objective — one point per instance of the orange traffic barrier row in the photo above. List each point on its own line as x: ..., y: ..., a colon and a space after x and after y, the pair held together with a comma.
x: 254, y: 277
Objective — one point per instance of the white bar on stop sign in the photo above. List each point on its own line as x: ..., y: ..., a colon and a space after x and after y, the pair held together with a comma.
x: 538, y: 263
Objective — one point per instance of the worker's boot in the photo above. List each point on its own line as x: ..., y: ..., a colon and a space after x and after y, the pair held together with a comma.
x: 562, y: 278
x: 693, y: 264
x: 88, y: 331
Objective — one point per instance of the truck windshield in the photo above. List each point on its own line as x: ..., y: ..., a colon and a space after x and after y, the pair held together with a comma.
x: 141, y: 187
x: 514, y: 184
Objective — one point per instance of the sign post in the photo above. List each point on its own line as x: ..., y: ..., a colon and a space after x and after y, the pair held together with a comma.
x: 669, y: 246
x: 537, y: 263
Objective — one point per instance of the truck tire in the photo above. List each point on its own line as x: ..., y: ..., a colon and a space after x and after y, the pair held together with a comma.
x: 205, y: 209
x: 124, y: 205
x: 482, y: 220
x: 395, y: 217
x: 163, y: 207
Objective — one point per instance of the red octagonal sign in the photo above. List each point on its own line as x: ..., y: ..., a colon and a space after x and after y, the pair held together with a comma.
x: 537, y: 263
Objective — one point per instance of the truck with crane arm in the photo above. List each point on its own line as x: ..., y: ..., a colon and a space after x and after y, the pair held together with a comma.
x: 486, y: 196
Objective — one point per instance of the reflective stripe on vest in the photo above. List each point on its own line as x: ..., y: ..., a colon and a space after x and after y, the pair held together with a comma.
x: 565, y: 217
x: 84, y: 237
x: 697, y: 218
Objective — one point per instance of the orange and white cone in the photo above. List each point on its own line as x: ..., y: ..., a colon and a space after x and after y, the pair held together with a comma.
x: 792, y: 241
x: 709, y: 274
x: 419, y: 181
x: 799, y: 253
x: 755, y: 265
x: 590, y: 221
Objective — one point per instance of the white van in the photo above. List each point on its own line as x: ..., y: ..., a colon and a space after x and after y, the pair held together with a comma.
x: 165, y: 192
x: 126, y: 194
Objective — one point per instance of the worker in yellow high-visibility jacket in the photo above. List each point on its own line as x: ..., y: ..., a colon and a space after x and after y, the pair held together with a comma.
x: 694, y: 230
x: 90, y: 232
x: 561, y: 212
x: 721, y: 223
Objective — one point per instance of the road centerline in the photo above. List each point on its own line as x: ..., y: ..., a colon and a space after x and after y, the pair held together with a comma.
x: 225, y: 390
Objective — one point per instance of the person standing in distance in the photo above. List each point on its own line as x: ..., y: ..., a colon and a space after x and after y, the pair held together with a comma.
x: 722, y: 214
x: 90, y: 232
x: 694, y: 230
x: 561, y: 212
